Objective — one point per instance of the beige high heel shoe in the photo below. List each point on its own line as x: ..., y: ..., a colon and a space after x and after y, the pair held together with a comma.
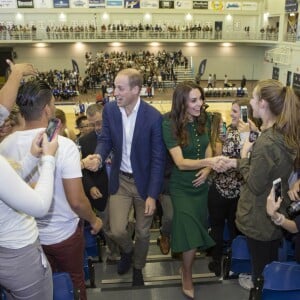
x: 188, y: 293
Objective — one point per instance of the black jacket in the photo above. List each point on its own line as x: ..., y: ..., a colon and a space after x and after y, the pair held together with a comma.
x: 99, y: 179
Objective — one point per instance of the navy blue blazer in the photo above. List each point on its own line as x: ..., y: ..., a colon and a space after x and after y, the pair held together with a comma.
x: 148, y: 151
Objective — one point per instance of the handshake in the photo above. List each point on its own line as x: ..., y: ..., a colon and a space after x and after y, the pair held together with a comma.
x: 92, y: 162
x: 222, y: 163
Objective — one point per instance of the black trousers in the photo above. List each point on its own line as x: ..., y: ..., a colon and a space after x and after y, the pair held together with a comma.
x: 262, y: 253
x: 221, y: 209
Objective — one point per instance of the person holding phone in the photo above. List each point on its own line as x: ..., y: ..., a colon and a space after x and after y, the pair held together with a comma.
x: 292, y: 226
x: 25, y: 272
x: 60, y: 230
x: 224, y: 192
x: 273, y: 155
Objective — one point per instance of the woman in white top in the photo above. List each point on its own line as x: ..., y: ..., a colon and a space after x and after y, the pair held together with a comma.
x: 25, y: 272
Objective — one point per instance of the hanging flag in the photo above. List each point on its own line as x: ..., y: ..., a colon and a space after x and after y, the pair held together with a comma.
x: 75, y: 66
x: 202, y: 67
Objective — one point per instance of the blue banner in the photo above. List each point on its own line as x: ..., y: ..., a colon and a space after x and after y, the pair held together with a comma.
x: 61, y: 3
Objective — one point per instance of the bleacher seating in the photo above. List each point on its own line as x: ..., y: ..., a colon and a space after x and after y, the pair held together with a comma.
x: 281, y: 281
x: 62, y: 286
x: 238, y: 259
x: 225, y: 92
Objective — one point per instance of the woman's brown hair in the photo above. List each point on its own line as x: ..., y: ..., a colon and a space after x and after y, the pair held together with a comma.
x: 179, y: 115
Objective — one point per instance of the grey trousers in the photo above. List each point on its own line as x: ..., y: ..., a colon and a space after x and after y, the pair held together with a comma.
x: 120, y: 205
x: 25, y: 273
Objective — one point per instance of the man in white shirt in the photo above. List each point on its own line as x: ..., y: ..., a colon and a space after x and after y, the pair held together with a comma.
x: 60, y: 232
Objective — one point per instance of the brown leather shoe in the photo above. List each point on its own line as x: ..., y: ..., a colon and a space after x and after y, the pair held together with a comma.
x: 164, y: 244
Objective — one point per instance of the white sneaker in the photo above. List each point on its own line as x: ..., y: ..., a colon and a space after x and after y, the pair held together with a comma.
x: 245, y: 281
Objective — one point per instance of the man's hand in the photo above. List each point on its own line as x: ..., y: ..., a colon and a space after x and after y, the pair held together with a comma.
x: 222, y: 163
x: 95, y: 193
x: 150, y: 206
x: 92, y: 162
x: 96, y: 226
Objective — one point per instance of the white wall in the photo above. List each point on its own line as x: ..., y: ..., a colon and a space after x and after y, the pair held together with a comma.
x: 293, y: 67
x: 234, y: 61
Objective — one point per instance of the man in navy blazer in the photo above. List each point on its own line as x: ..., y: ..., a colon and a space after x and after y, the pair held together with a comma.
x: 132, y: 130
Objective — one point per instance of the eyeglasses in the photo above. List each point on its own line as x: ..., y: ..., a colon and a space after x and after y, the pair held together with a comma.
x: 84, y: 126
x: 96, y: 124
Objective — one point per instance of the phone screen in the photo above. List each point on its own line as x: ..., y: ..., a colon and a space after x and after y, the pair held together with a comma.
x: 223, y: 129
x: 244, y: 114
x: 53, y: 127
x: 277, y: 188
x: 253, y: 136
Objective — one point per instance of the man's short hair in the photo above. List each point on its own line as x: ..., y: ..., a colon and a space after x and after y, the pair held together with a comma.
x: 93, y: 109
x: 32, y: 97
x: 79, y: 121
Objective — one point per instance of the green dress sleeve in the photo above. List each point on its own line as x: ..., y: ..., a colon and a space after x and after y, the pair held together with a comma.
x: 169, y: 139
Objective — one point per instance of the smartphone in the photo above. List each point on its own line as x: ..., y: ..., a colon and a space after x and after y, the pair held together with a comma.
x: 277, y: 188
x: 244, y: 113
x: 253, y: 136
x: 53, y: 128
x: 223, y: 130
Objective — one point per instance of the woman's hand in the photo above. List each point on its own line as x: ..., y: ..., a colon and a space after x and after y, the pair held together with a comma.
x: 272, y: 205
x: 49, y: 148
x: 242, y: 126
x: 294, y: 191
x: 247, y: 147
x: 252, y: 126
x: 201, y: 176
x: 36, y: 145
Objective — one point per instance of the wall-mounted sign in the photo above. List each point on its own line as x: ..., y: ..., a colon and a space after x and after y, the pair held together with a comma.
x: 132, y: 4
x: 217, y: 5
x: 183, y: 4
x: 25, y: 3
x: 43, y: 3
x: 291, y: 5
x: 233, y: 5
x: 114, y: 3
x: 96, y: 3
x: 79, y: 3
x: 166, y: 4
x: 249, y: 5
x: 8, y: 4
x: 149, y: 4
x: 61, y: 3
x: 200, y: 4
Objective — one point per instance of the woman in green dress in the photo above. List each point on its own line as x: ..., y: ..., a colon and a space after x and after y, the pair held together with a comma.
x: 186, y: 135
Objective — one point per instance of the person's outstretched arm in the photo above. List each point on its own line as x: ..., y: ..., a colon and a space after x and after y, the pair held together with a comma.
x: 9, y: 91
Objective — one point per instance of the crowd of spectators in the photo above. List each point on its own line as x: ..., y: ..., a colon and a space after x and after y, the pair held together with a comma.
x: 156, y: 68
x: 124, y: 31
x: 101, y: 69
